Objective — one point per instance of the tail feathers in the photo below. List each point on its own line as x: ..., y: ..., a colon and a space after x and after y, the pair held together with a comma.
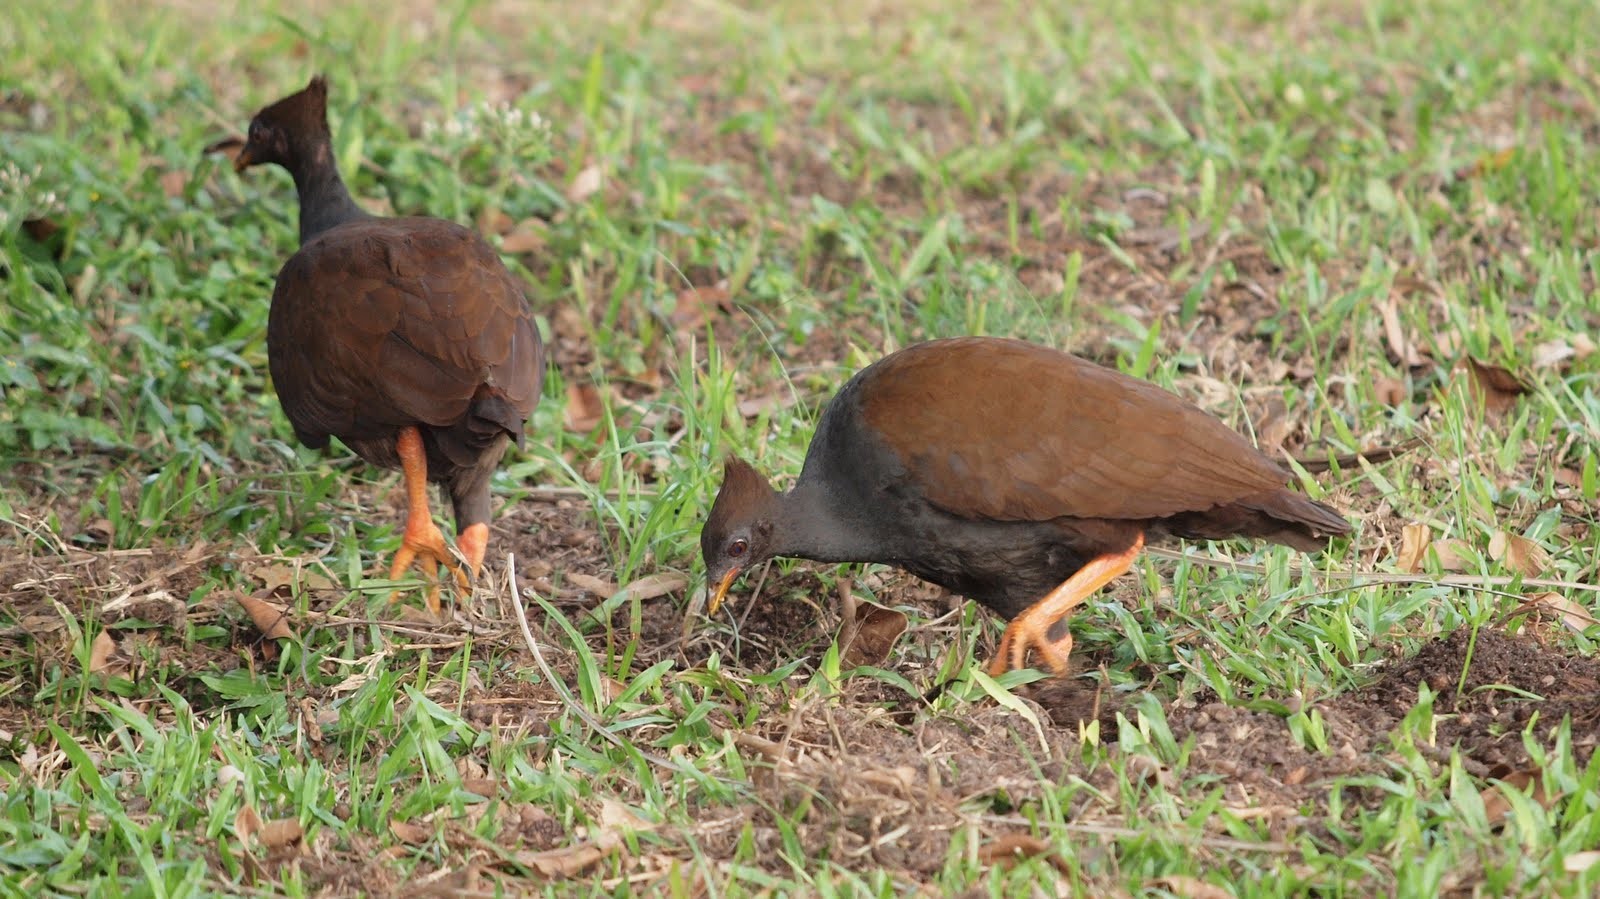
x: 1281, y: 516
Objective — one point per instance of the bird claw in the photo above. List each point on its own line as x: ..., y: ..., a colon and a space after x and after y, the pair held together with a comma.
x: 1025, y: 632
x: 426, y: 547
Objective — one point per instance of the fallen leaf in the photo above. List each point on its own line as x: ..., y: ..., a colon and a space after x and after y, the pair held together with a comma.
x: 1552, y: 353
x: 1403, y: 348
x: 229, y: 148
x: 1013, y: 847
x: 1571, y: 613
x: 1453, y: 554
x: 270, y: 619
x: 656, y: 585
x: 1582, y: 345
x: 527, y: 237
x: 408, y: 833
x: 1414, y: 540
x: 1495, y: 804
x: 694, y: 306
x: 1489, y: 162
x: 1190, y: 887
x: 1579, y: 862
x: 101, y: 651
x: 1517, y: 553
x: 173, y: 182
x: 1496, y: 388
x: 566, y: 861
x: 586, y: 184
x: 246, y: 823
x: 40, y: 229
x: 598, y: 586
x: 584, y: 409
x: 99, y: 532
x: 870, y: 635
x: 279, y: 577
x: 1389, y: 391
x: 493, y: 220
x: 280, y: 832
x: 617, y: 818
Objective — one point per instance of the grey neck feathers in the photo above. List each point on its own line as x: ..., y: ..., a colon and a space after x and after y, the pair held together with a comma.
x: 816, y: 526
x: 324, y: 200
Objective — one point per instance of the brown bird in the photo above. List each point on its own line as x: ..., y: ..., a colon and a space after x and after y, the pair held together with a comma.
x: 406, y: 338
x: 1014, y: 474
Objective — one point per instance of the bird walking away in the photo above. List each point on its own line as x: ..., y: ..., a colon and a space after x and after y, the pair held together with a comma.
x: 406, y: 338
x: 1016, y: 475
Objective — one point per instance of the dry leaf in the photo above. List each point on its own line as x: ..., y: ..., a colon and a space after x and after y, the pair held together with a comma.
x: 616, y: 817
x: 98, y: 532
x: 101, y: 651
x: 1517, y: 553
x: 228, y: 147
x: 1453, y: 554
x: 694, y: 306
x: 527, y: 237
x: 1014, y: 846
x: 566, y: 861
x: 1414, y: 540
x: 1551, y: 353
x: 1190, y: 887
x: 173, y: 183
x: 280, y: 577
x: 493, y: 220
x: 1582, y: 345
x: 246, y: 823
x: 598, y: 586
x: 1489, y: 162
x: 1579, y: 862
x: 1495, y: 804
x: 1571, y: 613
x: 870, y: 635
x: 270, y: 619
x: 656, y: 585
x: 586, y: 185
x: 408, y: 833
x: 1404, y: 350
x: 1389, y: 391
x: 584, y: 409
x: 280, y: 832
x: 1495, y: 387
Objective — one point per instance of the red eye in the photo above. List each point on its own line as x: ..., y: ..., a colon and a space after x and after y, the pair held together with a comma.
x: 737, y: 548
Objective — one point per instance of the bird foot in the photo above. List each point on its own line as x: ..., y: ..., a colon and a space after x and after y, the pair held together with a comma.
x: 1032, y: 631
x: 424, y: 545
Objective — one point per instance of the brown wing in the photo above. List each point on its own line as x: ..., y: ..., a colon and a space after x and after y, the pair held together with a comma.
x: 381, y: 323
x: 1009, y: 430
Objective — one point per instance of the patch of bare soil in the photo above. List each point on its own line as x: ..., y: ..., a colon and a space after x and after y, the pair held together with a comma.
x: 1508, y: 679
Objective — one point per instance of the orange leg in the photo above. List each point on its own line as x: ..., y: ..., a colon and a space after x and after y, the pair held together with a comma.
x: 422, y: 541
x: 474, y: 543
x: 1031, y: 629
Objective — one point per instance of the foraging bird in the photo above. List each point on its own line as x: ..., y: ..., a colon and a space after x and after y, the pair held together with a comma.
x: 1011, y: 473
x: 406, y: 338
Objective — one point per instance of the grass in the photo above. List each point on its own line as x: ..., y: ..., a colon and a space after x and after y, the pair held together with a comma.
x: 1306, y: 218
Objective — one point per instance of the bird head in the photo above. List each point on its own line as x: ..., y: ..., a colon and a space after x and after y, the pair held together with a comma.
x: 738, y: 532
x: 286, y: 132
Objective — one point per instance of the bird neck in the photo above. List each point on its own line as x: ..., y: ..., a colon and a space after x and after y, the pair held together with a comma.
x: 817, y: 526
x: 324, y: 200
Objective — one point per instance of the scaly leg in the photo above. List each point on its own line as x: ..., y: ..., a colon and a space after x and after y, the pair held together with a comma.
x: 474, y: 543
x: 422, y: 541
x: 1031, y: 629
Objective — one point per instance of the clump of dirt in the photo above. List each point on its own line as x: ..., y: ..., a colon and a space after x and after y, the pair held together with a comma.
x: 1263, y: 766
x: 1486, y: 715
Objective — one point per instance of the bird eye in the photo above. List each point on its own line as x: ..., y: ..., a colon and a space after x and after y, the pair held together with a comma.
x: 737, y: 548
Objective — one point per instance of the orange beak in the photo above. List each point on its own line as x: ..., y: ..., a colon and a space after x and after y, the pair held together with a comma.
x: 721, y: 591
